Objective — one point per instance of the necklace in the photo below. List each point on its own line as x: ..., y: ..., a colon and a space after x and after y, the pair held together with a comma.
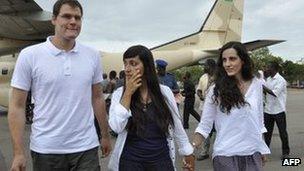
x: 145, y: 106
x: 144, y: 102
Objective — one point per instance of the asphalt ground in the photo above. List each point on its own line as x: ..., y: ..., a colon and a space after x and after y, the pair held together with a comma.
x: 295, y: 126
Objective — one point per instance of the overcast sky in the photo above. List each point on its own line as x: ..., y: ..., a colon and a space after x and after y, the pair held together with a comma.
x: 114, y: 25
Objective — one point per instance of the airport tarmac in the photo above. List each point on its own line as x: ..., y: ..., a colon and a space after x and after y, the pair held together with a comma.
x: 295, y: 124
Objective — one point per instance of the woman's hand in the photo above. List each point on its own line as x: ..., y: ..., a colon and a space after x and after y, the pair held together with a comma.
x: 133, y: 82
x: 188, y: 162
x: 197, y: 140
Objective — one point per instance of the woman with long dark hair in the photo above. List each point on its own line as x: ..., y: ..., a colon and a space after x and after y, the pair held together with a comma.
x: 146, y: 118
x: 235, y: 105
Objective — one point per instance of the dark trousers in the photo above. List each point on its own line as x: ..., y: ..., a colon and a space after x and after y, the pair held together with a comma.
x: 162, y: 165
x: 189, y: 109
x: 280, y: 120
x: 80, y: 161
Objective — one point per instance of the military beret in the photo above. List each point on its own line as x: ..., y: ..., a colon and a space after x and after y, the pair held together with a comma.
x: 161, y: 63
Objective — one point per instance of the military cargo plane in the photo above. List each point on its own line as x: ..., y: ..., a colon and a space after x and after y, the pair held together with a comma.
x: 24, y: 22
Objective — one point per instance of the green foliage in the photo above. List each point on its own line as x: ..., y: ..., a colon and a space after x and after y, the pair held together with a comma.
x: 291, y: 71
x: 196, y: 73
x: 261, y: 57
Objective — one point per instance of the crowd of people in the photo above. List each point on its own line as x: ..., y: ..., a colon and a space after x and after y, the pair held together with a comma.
x: 236, y: 106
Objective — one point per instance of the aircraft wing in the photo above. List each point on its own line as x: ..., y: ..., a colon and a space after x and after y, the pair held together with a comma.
x: 24, y: 20
x: 250, y: 46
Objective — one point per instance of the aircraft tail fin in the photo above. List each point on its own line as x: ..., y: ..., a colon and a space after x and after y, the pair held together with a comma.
x: 223, y: 24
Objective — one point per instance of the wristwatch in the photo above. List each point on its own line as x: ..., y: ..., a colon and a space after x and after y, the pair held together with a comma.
x: 194, y: 144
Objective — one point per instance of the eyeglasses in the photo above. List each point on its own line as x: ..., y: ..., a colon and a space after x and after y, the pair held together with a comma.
x: 69, y: 17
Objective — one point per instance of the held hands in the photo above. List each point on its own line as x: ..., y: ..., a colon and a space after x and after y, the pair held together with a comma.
x: 188, y: 163
x: 133, y: 82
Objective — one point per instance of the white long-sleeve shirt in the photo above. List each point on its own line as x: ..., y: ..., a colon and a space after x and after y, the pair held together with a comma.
x: 118, y: 119
x: 239, y: 132
x: 275, y: 105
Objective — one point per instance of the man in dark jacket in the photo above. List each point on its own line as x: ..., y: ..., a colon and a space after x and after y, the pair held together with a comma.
x: 189, y: 93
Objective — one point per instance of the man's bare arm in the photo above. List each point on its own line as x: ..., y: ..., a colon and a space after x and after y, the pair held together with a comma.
x: 16, y: 121
x: 100, y: 113
x: 99, y: 107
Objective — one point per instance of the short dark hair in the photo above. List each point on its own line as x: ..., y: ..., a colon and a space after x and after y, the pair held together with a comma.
x: 187, y: 75
x: 210, y: 63
x: 73, y: 3
x: 274, y: 65
x: 122, y: 74
x: 104, y: 76
x: 112, y: 74
x: 210, y: 66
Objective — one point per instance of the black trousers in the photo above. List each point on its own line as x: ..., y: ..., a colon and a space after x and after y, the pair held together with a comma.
x: 280, y: 120
x: 80, y: 161
x: 189, y: 109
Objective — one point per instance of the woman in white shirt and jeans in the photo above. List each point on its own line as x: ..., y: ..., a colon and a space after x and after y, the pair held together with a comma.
x: 235, y: 105
x: 145, y: 117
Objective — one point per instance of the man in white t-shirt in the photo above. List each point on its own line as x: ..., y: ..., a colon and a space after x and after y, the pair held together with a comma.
x: 275, y: 107
x: 64, y: 78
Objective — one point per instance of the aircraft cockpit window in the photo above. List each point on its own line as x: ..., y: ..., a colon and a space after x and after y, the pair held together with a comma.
x: 4, y: 71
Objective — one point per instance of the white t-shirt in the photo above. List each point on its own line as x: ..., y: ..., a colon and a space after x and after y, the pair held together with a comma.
x: 239, y: 132
x: 276, y: 105
x: 61, y: 85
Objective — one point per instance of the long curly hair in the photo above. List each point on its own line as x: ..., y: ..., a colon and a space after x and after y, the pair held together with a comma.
x: 138, y: 120
x: 226, y: 91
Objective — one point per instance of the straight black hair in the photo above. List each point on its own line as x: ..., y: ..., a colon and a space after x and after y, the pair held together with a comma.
x: 164, y: 116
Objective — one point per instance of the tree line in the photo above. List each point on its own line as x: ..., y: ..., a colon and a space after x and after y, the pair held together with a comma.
x: 291, y: 71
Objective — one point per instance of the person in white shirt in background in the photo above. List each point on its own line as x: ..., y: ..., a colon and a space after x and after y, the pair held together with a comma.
x: 205, y: 82
x: 235, y: 105
x: 144, y: 114
x: 275, y: 107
